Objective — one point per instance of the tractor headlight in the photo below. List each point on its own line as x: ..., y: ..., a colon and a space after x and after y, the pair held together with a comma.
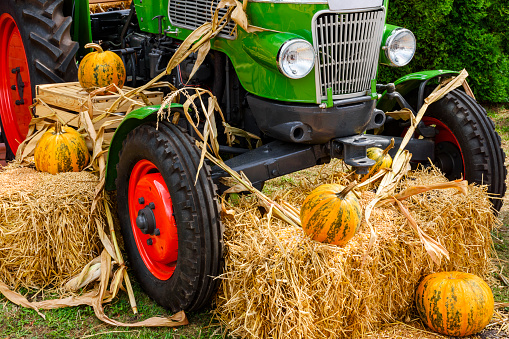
x: 400, y: 47
x: 296, y: 58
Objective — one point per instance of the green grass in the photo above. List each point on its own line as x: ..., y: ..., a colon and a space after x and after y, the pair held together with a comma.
x: 77, y: 322
x: 500, y: 290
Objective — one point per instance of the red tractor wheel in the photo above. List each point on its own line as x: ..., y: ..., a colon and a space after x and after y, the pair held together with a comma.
x: 170, y: 224
x: 150, y: 211
x: 35, y: 48
x: 466, y: 143
x: 15, y: 89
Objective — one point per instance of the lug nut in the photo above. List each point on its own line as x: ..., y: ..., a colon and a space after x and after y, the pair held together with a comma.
x: 152, y: 205
x: 141, y: 200
x: 149, y: 241
x: 157, y: 231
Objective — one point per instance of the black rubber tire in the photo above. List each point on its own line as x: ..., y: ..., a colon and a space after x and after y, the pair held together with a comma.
x: 200, y: 232
x: 480, y: 144
x: 45, y: 32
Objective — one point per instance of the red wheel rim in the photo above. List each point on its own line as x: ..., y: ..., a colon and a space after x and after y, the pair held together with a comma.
x: 158, y: 243
x: 444, y: 135
x: 15, y: 117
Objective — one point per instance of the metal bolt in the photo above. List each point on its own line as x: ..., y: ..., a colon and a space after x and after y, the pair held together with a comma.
x: 141, y: 200
x: 13, y: 87
x: 149, y: 241
x: 152, y: 205
x: 274, y: 172
x: 157, y: 231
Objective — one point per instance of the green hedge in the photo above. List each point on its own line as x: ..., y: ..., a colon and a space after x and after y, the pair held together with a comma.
x: 457, y: 34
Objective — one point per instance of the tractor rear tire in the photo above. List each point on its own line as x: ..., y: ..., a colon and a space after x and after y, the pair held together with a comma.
x: 170, y: 224
x: 35, y: 48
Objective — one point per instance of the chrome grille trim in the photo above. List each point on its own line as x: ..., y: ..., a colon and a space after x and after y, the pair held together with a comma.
x: 191, y: 14
x: 347, y: 47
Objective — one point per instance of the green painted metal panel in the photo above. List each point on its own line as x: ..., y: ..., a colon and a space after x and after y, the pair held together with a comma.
x: 264, y: 46
x: 81, y: 26
x: 421, y: 76
x: 130, y: 122
x: 409, y: 82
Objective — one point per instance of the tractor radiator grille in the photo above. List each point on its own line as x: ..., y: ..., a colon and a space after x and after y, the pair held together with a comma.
x: 191, y: 14
x: 348, y: 46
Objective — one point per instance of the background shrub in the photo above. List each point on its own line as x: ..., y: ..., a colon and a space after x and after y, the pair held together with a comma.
x: 457, y: 34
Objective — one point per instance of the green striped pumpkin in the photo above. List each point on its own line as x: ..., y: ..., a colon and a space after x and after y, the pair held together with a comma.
x: 454, y: 303
x: 331, y: 214
x: 61, y: 149
x: 382, y: 160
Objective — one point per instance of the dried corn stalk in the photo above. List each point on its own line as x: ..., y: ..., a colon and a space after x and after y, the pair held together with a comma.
x: 399, y: 167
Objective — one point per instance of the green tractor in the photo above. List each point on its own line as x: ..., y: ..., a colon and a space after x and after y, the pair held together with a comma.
x: 306, y: 86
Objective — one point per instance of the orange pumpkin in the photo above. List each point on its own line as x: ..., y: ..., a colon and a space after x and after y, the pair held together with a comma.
x: 100, y: 69
x: 331, y: 214
x: 454, y: 303
x: 61, y: 149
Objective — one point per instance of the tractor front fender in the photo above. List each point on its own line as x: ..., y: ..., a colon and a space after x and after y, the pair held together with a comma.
x: 132, y: 120
x: 410, y: 82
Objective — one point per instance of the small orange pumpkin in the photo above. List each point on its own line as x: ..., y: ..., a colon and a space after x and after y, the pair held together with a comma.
x: 61, y: 149
x: 331, y: 214
x: 454, y: 303
x: 101, y: 68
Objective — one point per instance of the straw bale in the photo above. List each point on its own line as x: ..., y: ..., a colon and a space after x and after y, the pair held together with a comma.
x: 280, y: 284
x: 46, y: 231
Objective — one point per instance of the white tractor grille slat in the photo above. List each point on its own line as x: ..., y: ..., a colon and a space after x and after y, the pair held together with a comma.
x: 191, y: 14
x: 348, y: 47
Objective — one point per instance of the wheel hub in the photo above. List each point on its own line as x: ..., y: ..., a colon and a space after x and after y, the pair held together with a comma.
x: 448, y: 155
x: 146, y: 220
x: 448, y: 159
x: 153, y: 224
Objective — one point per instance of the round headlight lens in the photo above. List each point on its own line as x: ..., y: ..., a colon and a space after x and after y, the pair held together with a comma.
x: 400, y: 47
x: 296, y: 58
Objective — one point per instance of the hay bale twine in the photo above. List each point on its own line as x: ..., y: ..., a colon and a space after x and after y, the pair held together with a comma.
x: 47, y: 233
x: 280, y: 284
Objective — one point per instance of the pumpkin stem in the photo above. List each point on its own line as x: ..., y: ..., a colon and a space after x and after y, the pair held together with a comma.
x: 94, y: 46
x: 388, y: 148
x: 58, y: 128
x: 346, y: 190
